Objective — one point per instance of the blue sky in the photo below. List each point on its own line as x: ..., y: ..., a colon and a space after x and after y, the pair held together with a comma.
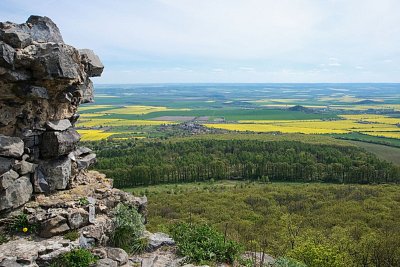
x: 148, y: 41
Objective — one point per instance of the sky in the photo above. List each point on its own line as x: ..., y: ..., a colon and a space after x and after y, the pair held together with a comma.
x: 255, y: 41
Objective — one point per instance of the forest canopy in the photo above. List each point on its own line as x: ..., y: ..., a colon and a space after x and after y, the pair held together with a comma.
x: 136, y: 163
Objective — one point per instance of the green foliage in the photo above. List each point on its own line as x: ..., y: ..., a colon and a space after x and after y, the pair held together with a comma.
x: 72, y: 235
x: 360, y: 221
x: 75, y: 258
x: 128, y: 228
x: 196, y: 159
x: 83, y: 201
x: 318, y: 255
x: 288, y: 262
x: 21, y: 224
x: 204, y: 244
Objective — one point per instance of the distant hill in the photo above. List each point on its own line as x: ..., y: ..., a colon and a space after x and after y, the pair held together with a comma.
x: 367, y: 101
x: 300, y: 108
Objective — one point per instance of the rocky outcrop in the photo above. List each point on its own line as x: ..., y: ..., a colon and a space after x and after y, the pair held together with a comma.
x: 43, y: 171
x: 42, y: 82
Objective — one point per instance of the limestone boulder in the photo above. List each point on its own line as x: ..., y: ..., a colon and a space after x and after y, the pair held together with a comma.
x: 16, y: 194
x: 78, y: 218
x: 117, y: 254
x: 6, y: 164
x: 43, y: 29
x: 24, y: 167
x: 40, y: 184
x: 106, y: 263
x: 6, y: 55
x: 30, y: 253
x: 86, y: 161
x: 59, y: 143
x: 57, y: 61
x: 54, y: 226
x: 93, y: 65
x: 7, y: 179
x: 56, y: 173
x: 32, y: 92
x: 58, y: 125
x: 11, y: 146
x: 157, y: 240
x: 16, y: 35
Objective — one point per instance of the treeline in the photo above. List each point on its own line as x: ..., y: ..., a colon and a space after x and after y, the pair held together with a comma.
x: 148, y: 163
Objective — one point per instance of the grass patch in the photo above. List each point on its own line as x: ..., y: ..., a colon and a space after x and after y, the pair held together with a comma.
x: 203, y: 244
x: 75, y: 258
x: 72, y: 235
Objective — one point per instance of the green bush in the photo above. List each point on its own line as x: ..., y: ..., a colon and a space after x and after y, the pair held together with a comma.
x: 128, y: 228
x: 318, y: 255
x: 75, y: 258
x: 83, y: 201
x: 287, y: 262
x: 72, y: 235
x: 203, y: 244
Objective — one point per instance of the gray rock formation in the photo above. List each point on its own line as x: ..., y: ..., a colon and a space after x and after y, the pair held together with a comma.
x: 11, y: 146
x: 43, y: 171
x: 16, y: 194
x: 42, y: 82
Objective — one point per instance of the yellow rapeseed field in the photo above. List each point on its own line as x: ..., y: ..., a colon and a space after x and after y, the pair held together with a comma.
x: 395, y: 107
x: 91, y: 107
x: 118, y: 122
x: 372, y: 118
x: 94, y: 135
x: 137, y: 110
x: 377, y: 125
x: 385, y: 134
x: 90, y: 115
x: 272, y: 128
x: 344, y: 99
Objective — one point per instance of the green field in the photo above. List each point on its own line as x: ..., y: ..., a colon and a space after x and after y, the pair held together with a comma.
x: 391, y: 154
x: 354, y: 222
x: 368, y: 139
x: 343, y: 110
x: 229, y: 114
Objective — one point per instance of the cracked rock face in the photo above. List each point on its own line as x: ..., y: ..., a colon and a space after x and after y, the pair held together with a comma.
x: 42, y: 83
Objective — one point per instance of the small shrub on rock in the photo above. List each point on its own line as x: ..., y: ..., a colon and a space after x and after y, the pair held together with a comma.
x: 203, y: 244
x: 128, y: 228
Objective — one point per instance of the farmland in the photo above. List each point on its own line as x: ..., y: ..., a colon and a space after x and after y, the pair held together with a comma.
x: 367, y: 112
x: 281, y: 168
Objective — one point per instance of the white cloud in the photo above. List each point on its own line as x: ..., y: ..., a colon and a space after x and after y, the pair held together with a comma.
x: 252, y: 37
